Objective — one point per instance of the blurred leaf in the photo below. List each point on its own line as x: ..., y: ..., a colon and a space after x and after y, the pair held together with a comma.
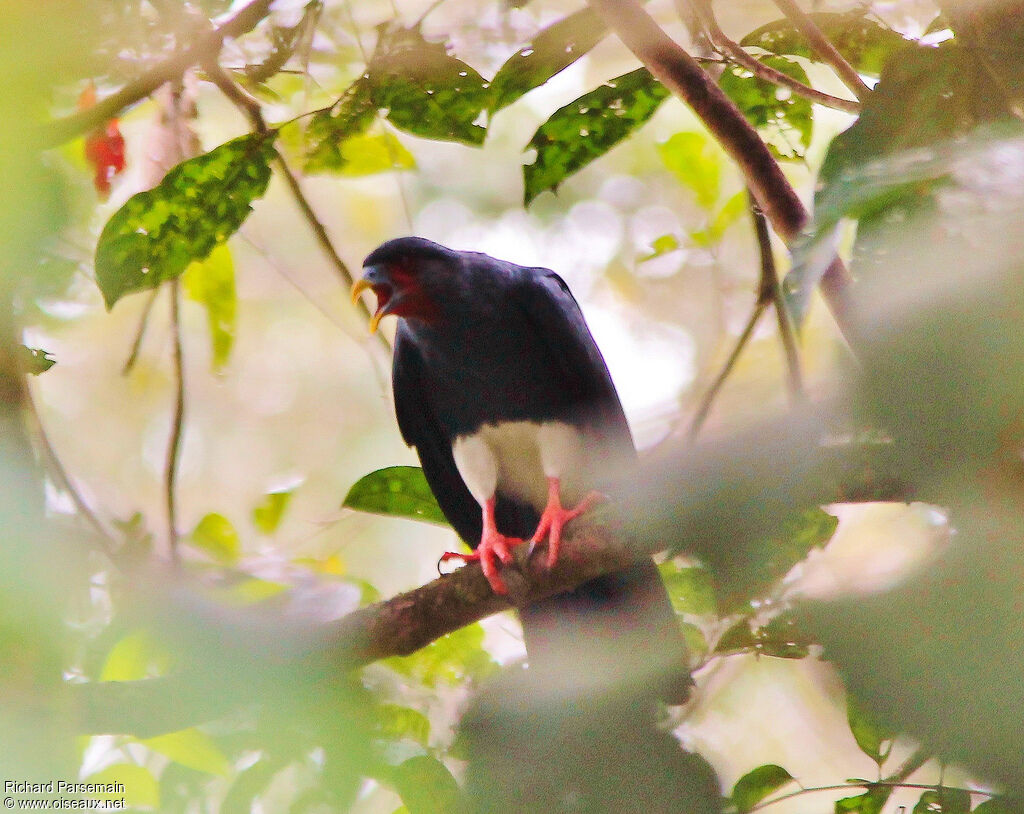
x: 994, y: 806
x: 796, y: 535
x: 757, y: 784
x: 191, y: 748
x: 731, y: 211
x: 211, y: 282
x: 140, y: 787
x: 267, y: 514
x: 215, y: 535
x: 870, y: 802
x: 862, y: 41
x: 870, y: 736
x: 661, y: 245
x: 589, y: 127
x: 137, y: 546
x: 133, y: 657
x: 739, y: 637
x: 426, y: 786
x: 552, y: 50
x: 396, y: 722
x: 452, y: 659
x: 397, y: 491
x: 251, y: 590
x: 697, y: 162
x: 351, y: 116
x: 696, y: 644
x: 370, y: 153
x: 784, y: 118
x: 199, y: 204
x: 425, y: 91
x: 944, y: 801
x: 248, y: 785
x: 35, y: 360
x: 691, y: 589
x: 781, y: 639
x: 332, y: 566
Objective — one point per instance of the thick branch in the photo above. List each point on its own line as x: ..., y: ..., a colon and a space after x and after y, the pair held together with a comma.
x: 205, y: 46
x: 679, y: 72
x: 711, y: 499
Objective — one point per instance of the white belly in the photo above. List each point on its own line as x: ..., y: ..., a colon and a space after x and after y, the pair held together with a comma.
x: 517, y: 457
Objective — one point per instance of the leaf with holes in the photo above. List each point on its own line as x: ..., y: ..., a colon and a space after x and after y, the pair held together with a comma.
x: 397, y: 491
x: 197, y: 206
x: 553, y: 50
x: 589, y: 127
x: 784, y: 118
x: 426, y: 91
x: 863, y: 42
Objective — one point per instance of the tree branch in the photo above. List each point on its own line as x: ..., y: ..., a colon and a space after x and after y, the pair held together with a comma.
x: 177, y: 423
x: 205, y: 46
x: 678, y: 71
x: 823, y: 47
x: 689, y: 498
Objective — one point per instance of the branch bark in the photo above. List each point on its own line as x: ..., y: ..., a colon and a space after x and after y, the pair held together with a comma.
x: 205, y: 46
x: 711, y: 500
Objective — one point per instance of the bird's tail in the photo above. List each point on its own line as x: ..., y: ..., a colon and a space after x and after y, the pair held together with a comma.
x: 616, y: 634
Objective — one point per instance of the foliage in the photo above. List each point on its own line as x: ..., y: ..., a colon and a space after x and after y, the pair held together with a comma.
x: 401, y: 491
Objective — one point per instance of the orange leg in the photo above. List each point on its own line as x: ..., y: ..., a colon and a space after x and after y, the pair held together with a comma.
x: 554, y: 518
x: 493, y: 546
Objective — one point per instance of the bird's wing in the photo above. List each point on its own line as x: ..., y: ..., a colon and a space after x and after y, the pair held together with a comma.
x: 421, y: 429
x: 557, y: 321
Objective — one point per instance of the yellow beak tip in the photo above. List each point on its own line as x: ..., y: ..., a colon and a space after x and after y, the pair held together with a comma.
x: 358, y: 287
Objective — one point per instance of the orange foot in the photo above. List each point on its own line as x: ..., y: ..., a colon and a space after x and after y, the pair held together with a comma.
x: 555, y: 518
x: 493, y: 546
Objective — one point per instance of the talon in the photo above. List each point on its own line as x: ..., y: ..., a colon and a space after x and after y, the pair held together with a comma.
x: 555, y: 518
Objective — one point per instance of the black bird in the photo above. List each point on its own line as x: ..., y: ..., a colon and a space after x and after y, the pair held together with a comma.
x: 500, y: 387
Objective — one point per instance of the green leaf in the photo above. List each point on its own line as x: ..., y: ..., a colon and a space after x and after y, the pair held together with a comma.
x: 589, y: 127
x: 944, y: 801
x: 133, y: 657
x: 784, y: 118
x: 781, y: 639
x: 452, y: 659
x: 757, y: 784
x: 370, y: 153
x: 697, y: 162
x: 215, y: 535
x: 994, y: 806
x: 211, y: 282
x: 35, y: 360
x: 398, y: 491
x: 863, y: 42
x: 426, y: 786
x: 691, y: 589
x: 792, y: 540
x: 251, y: 590
x: 868, y: 733
x: 351, y: 116
x: 267, y: 514
x: 140, y: 787
x: 733, y: 209
x: 425, y: 91
x: 553, y: 50
x: 396, y: 722
x: 191, y: 748
x: 198, y: 205
x: 870, y: 802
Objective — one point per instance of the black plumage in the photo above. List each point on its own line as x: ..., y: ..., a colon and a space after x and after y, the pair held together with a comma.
x: 482, y: 345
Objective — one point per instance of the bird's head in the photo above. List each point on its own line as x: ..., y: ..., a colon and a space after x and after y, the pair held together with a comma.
x: 408, y: 276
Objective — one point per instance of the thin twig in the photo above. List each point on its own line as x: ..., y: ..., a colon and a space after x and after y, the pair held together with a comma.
x: 772, y: 291
x: 735, y: 52
x: 824, y: 48
x: 881, y: 783
x: 133, y: 356
x: 206, y: 46
x: 730, y: 363
x: 178, y: 422
x: 106, y: 539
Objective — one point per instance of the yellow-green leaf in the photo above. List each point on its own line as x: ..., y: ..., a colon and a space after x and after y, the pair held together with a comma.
x: 140, y: 787
x: 134, y: 657
x: 697, y: 162
x: 399, y: 491
x: 211, y: 282
x: 191, y: 748
x: 215, y: 535
x: 266, y: 516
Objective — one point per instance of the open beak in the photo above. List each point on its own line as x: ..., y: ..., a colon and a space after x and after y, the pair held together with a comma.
x: 374, y: 279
